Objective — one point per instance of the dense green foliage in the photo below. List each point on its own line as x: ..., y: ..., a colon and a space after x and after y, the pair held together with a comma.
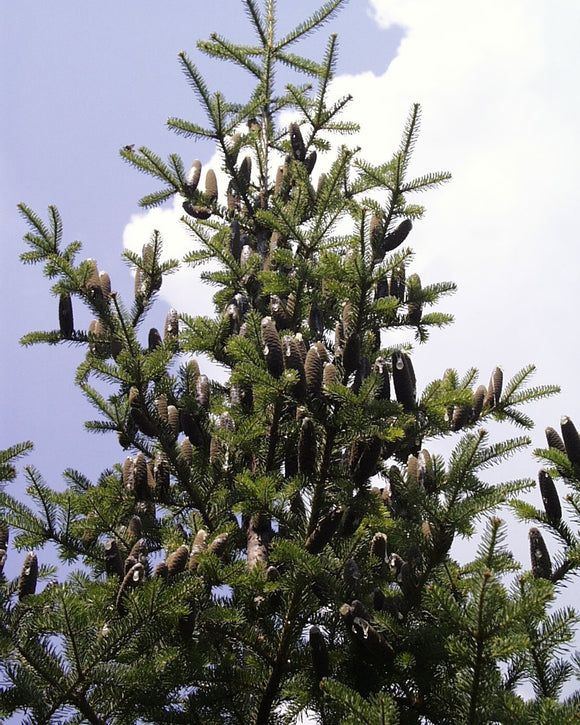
x: 278, y: 540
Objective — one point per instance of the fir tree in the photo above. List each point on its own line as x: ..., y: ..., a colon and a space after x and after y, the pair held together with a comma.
x: 278, y: 540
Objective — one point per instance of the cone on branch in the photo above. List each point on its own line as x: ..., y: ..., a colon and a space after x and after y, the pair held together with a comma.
x: 133, y: 578
x: 314, y: 367
x: 319, y: 653
x: 351, y: 575
x: 316, y: 321
x: 404, y: 380
x: 173, y: 420
x: 571, y: 440
x: 219, y: 545
x: 293, y: 361
x: 197, y: 549
x: 272, y: 348
x: 282, y: 312
x: 65, y: 316
x: 376, y: 234
x: 105, y: 281
x: 94, y: 289
x: 541, y: 563
x: 234, y: 241
x: 310, y: 161
x: 139, y: 552
x: 258, y: 537
x: 245, y: 172
x: 351, y: 353
x: 154, y: 339
x: 139, y: 413
x: 379, y: 547
x: 324, y: 531
x: 186, y: 451
x: 202, y: 393
x: 397, y: 283
x: 329, y: 375
x: 113, y: 560
x: 211, y: 187
x: 307, y: 447
x: 494, y: 389
x: 171, y: 333
x: 140, y: 476
x: 177, y: 560
x: 550, y: 498
x: 198, y: 211
x: 297, y: 142
x: 28, y: 576
x: 192, y: 178
x: 371, y: 642
x: 134, y: 529
x: 161, y: 571
x: 364, y: 458
x: 99, y: 344
x: 395, y: 238
x: 425, y: 472
x: 462, y: 416
x: 478, y: 402
x: 554, y: 440
x: 161, y: 475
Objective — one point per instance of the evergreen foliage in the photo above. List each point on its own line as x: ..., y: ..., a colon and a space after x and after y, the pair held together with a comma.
x: 278, y: 540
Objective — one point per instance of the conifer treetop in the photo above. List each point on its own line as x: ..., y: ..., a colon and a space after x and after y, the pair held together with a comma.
x: 279, y: 541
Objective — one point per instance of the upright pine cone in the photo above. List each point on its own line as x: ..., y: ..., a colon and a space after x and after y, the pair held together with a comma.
x: 192, y: 178
x: 323, y: 531
x: 550, y: 498
x: 113, y: 560
x: 258, y: 537
x: 494, y: 389
x: 272, y: 348
x: 319, y: 653
x: 211, y: 187
x: 297, y: 142
x: 177, y: 560
x: 307, y: 446
x: 313, y: 368
x: 133, y: 578
x: 65, y: 316
x: 404, y: 380
x: 28, y: 576
x: 198, y: 547
x: 571, y: 440
x: 554, y: 440
x: 541, y: 564
x: 293, y: 361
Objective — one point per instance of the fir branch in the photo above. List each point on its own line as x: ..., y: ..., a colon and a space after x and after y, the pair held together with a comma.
x: 197, y: 83
x: 257, y: 20
x: 221, y: 48
x: 8, y: 456
x: 314, y: 22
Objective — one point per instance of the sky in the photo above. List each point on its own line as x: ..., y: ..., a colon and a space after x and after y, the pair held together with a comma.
x: 498, y: 87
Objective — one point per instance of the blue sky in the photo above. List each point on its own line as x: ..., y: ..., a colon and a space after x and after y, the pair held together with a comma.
x: 501, y: 103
